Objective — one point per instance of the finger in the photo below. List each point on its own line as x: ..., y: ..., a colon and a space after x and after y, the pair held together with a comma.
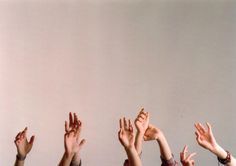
x: 70, y: 120
x: 198, y: 137
x: 198, y: 127
x: 202, y: 128
x: 209, y: 128
x: 121, y: 123
x: 66, y: 127
x: 125, y: 123
x: 24, y: 133
x: 18, y: 135
x: 145, y: 138
x: 32, y: 140
x: 130, y: 126
x: 75, y: 117
x: 120, y: 134
x: 142, y: 110
x: 139, y: 119
x: 142, y: 116
x: 190, y: 156
x: 21, y: 136
x: 80, y: 125
x: 147, y: 116
x: 82, y: 142
x: 185, y: 150
x: 75, y: 120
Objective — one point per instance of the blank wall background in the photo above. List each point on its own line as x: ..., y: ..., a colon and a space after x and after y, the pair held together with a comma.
x: 107, y: 59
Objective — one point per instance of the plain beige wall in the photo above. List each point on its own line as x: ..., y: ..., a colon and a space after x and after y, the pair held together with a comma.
x: 107, y: 59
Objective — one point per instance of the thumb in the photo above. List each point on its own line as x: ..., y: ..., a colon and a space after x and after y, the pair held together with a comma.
x: 32, y: 140
x: 145, y: 138
x: 82, y: 143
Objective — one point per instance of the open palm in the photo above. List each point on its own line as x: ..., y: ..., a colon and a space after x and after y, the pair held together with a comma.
x: 142, y: 121
x: 126, y: 135
x: 205, y: 138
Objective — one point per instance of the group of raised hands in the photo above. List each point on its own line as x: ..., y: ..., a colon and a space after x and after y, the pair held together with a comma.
x: 131, y: 141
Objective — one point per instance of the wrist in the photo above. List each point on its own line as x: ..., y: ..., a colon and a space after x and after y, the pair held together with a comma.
x: 140, y: 132
x: 69, y: 154
x: 160, y: 137
x: 219, y: 152
x: 20, y: 157
x: 129, y: 148
x: 76, y: 157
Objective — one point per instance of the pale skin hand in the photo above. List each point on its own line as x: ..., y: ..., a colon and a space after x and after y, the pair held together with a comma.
x: 141, y: 124
x: 126, y: 133
x: 126, y: 138
x: 154, y: 133
x: 23, y: 146
x: 74, y: 122
x: 72, y: 141
x: 186, y: 159
x: 206, y: 139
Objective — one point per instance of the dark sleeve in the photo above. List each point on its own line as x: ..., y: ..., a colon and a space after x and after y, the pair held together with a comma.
x: 73, y: 164
x: 170, y: 162
x: 126, y: 163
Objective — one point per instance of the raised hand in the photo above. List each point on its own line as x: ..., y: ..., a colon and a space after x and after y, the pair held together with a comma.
x: 205, y: 138
x: 72, y: 135
x: 126, y: 137
x: 126, y: 133
x: 72, y: 141
x: 152, y: 133
x: 185, y: 159
x: 22, y: 144
x: 142, y: 121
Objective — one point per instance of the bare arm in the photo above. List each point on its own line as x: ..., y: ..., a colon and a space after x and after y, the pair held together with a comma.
x: 126, y: 137
x: 72, y: 142
x: 154, y: 133
x: 141, y: 124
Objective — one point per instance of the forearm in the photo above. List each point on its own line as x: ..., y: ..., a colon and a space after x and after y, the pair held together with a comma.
x: 232, y: 162
x: 133, y: 157
x: 66, y: 160
x: 222, y: 154
x: 76, y: 160
x: 165, y: 150
x: 139, y: 142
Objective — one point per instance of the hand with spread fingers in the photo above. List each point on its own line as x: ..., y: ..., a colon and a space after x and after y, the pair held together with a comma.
x: 126, y: 138
x: 206, y: 139
x: 72, y: 142
x: 23, y: 146
x: 126, y: 133
x: 186, y: 159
